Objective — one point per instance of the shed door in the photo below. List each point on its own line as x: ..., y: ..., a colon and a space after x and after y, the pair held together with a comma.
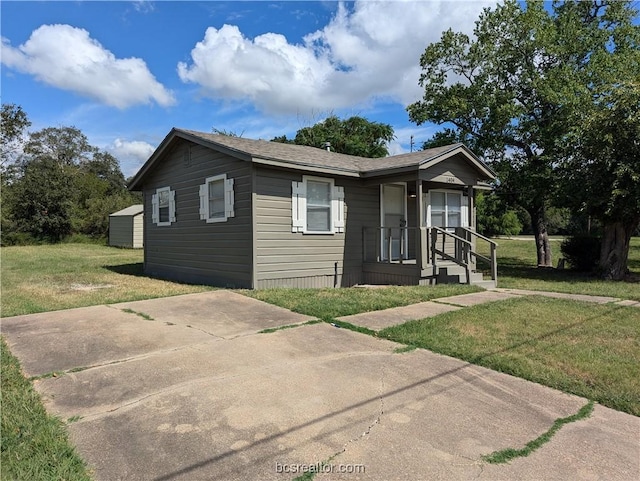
x: 393, y: 213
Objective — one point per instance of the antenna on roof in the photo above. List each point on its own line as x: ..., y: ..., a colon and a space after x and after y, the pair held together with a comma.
x: 327, y: 146
x: 411, y: 144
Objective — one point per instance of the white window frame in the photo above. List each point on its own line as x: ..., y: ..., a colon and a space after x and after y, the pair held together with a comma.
x: 464, y: 207
x: 299, y: 206
x: 228, y: 199
x: 155, y: 206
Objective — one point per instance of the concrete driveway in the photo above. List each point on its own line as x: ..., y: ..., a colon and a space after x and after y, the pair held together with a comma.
x: 185, y: 388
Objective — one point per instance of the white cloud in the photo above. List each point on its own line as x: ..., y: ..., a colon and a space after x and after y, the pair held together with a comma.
x: 134, y: 149
x: 68, y: 58
x: 131, y: 154
x: 369, y: 52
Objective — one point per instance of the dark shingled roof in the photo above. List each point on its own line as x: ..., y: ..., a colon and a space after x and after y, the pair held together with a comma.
x: 298, y: 156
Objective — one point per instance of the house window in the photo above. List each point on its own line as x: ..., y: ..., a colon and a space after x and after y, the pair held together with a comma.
x: 217, y: 199
x: 317, y: 206
x: 163, y: 204
x: 445, y: 209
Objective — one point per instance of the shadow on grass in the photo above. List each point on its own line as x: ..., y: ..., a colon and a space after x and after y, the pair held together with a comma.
x: 513, y: 267
x: 134, y: 269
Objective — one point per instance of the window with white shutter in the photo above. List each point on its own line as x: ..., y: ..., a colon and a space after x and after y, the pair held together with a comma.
x: 163, y: 206
x: 217, y: 199
x: 317, y: 206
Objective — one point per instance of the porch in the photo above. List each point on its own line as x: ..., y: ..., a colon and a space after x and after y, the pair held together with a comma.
x: 427, y: 255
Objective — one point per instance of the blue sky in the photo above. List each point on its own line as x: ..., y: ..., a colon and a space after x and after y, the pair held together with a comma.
x: 125, y: 73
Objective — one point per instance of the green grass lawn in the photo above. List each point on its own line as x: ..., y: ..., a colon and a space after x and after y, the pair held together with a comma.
x: 46, y: 278
x: 577, y: 347
x: 51, y: 277
x: 517, y: 269
x: 580, y: 348
x: 327, y: 304
x: 34, y: 444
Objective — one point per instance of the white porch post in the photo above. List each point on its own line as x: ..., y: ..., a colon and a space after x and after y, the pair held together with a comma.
x: 421, y: 240
x: 472, y: 208
x: 472, y: 224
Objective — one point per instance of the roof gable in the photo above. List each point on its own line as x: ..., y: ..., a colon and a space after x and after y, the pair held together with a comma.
x: 312, y: 159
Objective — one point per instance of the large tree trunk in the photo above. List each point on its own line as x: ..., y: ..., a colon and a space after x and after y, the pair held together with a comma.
x: 543, y: 245
x: 614, y: 252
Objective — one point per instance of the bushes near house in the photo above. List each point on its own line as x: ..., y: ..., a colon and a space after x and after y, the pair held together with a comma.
x: 581, y: 252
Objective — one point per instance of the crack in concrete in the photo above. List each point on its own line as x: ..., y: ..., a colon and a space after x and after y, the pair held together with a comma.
x: 205, y: 332
x: 98, y: 414
x: 437, y: 301
x: 369, y: 428
x: 75, y: 369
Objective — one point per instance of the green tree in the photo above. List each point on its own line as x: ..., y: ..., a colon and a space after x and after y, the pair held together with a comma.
x: 493, y: 90
x: 65, y: 185
x: 520, y: 91
x: 601, y: 153
x: 494, y: 218
x: 352, y: 136
x: 43, y: 200
x: 14, y: 123
x: 602, y: 174
x: 63, y: 145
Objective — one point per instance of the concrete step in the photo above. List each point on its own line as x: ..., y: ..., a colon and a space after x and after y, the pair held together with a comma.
x: 456, y: 274
x: 486, y: 284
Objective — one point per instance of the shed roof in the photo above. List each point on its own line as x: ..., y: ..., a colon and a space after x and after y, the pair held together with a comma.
x: 132, y: 210
x: 301, y: 157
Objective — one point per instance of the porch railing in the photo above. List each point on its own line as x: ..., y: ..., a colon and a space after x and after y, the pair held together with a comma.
x: 492, y: 259
x: 395, y: 245
x: 465, y: 250
x: 426, y: 246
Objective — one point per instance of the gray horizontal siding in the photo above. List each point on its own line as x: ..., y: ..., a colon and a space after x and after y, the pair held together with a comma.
x: 189, y: 249
x: 122, y: 232
x: 309, y: 282
x: 312, y: 260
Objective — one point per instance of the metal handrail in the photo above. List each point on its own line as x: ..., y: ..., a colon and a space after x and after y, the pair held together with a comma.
x: 466, y: 248
x: 492, y: 247
x: 472, y: 232
x: 446, y: 232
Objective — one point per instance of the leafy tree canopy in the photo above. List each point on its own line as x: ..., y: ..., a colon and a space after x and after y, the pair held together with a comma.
x: 516, y: 91
x: 61, y: 186
x: 352, y: 136
x: 14, y: 123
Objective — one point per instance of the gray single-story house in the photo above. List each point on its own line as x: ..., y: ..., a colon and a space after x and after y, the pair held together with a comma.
x: 126, y: 227
x: 246, y: 213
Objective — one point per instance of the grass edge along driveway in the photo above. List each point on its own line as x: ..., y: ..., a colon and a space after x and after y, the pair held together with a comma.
x: 592, y: 351
x: 35, y: 444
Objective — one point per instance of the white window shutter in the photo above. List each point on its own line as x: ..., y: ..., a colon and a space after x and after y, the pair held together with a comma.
x: 337, y: 208
x: 298, y: 206
x: 464, y: 212
x: 155, y: 212
x: 228, y: 198
x: 204, y: 201
x: 172, y: 206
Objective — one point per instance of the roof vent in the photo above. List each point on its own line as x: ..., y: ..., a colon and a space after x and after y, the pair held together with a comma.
x: 327, y: 146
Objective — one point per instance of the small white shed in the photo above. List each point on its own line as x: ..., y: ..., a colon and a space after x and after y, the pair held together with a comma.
x: 125, y: 227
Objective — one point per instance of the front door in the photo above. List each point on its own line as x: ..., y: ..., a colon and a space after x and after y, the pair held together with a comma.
x: 393, y: 213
